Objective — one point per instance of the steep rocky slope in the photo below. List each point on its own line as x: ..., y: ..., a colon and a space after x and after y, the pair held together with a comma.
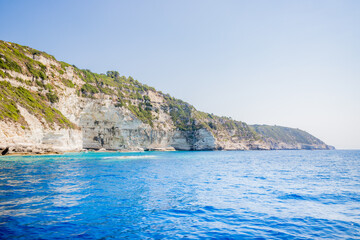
x: 47, y: 105
x: 289, y: 138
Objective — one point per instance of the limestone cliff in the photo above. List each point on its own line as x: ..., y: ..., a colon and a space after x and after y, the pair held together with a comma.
x: 278, y: 137
x: 47, y: 106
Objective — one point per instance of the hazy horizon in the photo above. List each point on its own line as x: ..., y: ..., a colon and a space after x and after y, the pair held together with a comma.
x: 293, y: 64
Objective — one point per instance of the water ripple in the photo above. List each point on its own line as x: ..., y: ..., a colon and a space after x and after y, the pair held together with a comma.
x: 190, y: 195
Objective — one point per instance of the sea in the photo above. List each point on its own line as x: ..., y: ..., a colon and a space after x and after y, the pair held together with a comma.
x: 182, y: 195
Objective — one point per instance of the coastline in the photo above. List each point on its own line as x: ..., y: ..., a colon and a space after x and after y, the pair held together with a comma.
x: 10, y: 152
x: 144, y: 151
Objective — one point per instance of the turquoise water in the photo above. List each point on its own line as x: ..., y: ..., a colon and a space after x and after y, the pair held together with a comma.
x: 190, y: 195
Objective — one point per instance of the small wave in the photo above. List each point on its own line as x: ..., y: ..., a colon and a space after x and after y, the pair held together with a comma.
x: 130, y: 157
x: 292, y: 196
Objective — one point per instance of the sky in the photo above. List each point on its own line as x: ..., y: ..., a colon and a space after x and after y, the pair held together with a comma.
x: 286, y: 63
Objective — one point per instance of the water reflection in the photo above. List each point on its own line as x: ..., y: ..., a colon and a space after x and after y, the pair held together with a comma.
x: 181, y: 195
x: 68, y: 186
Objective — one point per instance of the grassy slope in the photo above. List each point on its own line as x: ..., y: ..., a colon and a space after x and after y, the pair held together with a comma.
x: 285, y: 134
x: 128, y: 93
x: 132, y: 94
x: 35, y: 103
x: 14, y: 57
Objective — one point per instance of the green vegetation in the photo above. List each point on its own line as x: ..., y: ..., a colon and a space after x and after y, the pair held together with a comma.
x: 89, y: 90
x: 9, y: 64
x: 130, y: 94
x: 4, y: 74
x: 11, y: 96
x: 285, y: 134
x: 15, y: 57
x: 64, y: 65
x: 52, y: 97
x: 181, y: 113
x: 37, y: 52
x: 143, y: 114
x: 239, y: 130
x: 126, y: 88
x: 68, y: 83
x: 49, y: 87
x: 34, y: 69
x: 40, y: 83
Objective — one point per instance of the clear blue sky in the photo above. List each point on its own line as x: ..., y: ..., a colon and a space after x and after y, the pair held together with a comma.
x: 290, y: 63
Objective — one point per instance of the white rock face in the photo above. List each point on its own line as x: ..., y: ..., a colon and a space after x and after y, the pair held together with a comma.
x: 204, y: 140
x: 38, y: 137
x: 179, y: 141
x: 102, y: 125
x: 70, y: 105
x: 113, y: 128
x: 44, y: 60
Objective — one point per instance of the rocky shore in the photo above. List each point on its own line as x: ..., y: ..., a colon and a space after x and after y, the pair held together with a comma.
x: 49, y: 106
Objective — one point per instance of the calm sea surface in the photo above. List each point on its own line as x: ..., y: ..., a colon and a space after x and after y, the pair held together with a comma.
x: 190, y: 195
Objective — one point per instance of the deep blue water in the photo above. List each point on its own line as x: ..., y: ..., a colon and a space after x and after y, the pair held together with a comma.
x: 190, y: 195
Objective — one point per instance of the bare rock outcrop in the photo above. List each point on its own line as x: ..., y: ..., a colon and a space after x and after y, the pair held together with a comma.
x: 51, y: 106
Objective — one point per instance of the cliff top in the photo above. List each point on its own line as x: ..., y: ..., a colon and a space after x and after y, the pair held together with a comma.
x: 35, y: 80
